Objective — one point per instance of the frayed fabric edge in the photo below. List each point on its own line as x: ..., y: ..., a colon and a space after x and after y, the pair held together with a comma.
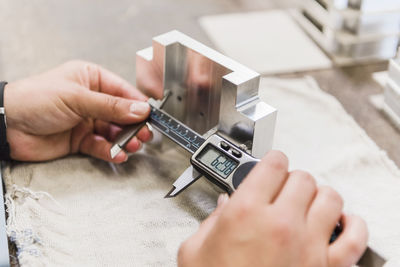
x: 27, y: 241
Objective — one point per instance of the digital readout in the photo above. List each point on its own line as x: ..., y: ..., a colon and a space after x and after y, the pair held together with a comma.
x: 217, y: 161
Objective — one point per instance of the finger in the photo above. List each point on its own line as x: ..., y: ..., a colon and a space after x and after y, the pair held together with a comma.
x: 194, y: 244
x: 105, y: 81
x: 325, y: 211
x: 351, y: 243
x: 98, y: 147
x: 109, y: 108
x: 133, y: 145
x: 111, y: 131
x: 298, y: 192
x: 108, y: 130
x: 144, y: 135
x: 265, y: 181
x: 209, y: 223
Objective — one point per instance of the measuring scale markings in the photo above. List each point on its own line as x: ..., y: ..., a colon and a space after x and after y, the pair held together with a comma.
x: 175, y: 130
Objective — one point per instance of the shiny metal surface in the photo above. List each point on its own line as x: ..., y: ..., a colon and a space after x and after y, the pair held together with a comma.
x: 351, y: 20
x: 346, y: 48
x: 188, y: 177
x: 352, y: 31
x: 364, y: 5
x: 392, y: 92
x: 373, y: 5
x: 208, y: 91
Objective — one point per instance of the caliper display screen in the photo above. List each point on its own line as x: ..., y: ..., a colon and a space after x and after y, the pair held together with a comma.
x: 217, y: 161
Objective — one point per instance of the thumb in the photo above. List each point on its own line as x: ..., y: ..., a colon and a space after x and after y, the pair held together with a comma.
x: 110, y: 108
x: 209, y: 223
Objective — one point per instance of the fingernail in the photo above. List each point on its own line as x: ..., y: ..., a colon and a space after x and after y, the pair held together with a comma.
x: 139, y: 108
x: 125, y: 156
x: 222, y: 199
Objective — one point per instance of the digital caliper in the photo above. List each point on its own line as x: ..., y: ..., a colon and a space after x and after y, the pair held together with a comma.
x: 215, y: 158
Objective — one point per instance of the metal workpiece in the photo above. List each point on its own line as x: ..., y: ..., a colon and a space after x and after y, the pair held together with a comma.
x: 353, y: 21
x: 352, y: 31
x: 344, y: 47
x: 391, y: 96
x: 374, y: 5
x: 209, y: 91
x: 392, y: 91
x: 363, y: 5
x: 394, y: 70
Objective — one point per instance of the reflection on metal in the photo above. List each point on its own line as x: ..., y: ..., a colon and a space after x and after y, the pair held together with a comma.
x: 210, y: 92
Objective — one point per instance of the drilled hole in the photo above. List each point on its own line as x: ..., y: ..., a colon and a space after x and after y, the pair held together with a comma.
x: 179, y: 98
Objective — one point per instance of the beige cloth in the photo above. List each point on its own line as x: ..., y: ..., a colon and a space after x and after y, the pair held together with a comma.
x: 91, y: 213
x: 271, y: 49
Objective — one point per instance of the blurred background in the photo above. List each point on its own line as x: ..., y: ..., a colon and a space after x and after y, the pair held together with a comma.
x: 39, y: 34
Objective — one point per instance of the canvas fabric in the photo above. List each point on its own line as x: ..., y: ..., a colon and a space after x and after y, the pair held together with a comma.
x: 80, y: 211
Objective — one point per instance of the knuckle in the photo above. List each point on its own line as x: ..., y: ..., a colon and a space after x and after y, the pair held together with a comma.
x: 112, y: 103
x: 305, y: 178
x: 331, y: 195
x: 277, y: 160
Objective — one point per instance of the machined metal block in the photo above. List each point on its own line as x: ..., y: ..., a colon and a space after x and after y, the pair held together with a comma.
x: 364, y: 5
x: 344, y: 47
x: 391, y: 102
x: 392, y: 96
x: 338, y: 4
x: 351, y: 20
x: 374, y: 5
x: 394, y: 70
x: 210, y: 92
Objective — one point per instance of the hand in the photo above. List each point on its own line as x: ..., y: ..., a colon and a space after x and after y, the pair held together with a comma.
x: 71, y: 109
x: 276, y: 218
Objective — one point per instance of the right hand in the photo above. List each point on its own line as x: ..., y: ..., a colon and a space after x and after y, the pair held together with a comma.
x: 276, y: 218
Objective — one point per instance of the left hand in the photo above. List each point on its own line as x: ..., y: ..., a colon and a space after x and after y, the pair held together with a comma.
x: 73, y: 108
